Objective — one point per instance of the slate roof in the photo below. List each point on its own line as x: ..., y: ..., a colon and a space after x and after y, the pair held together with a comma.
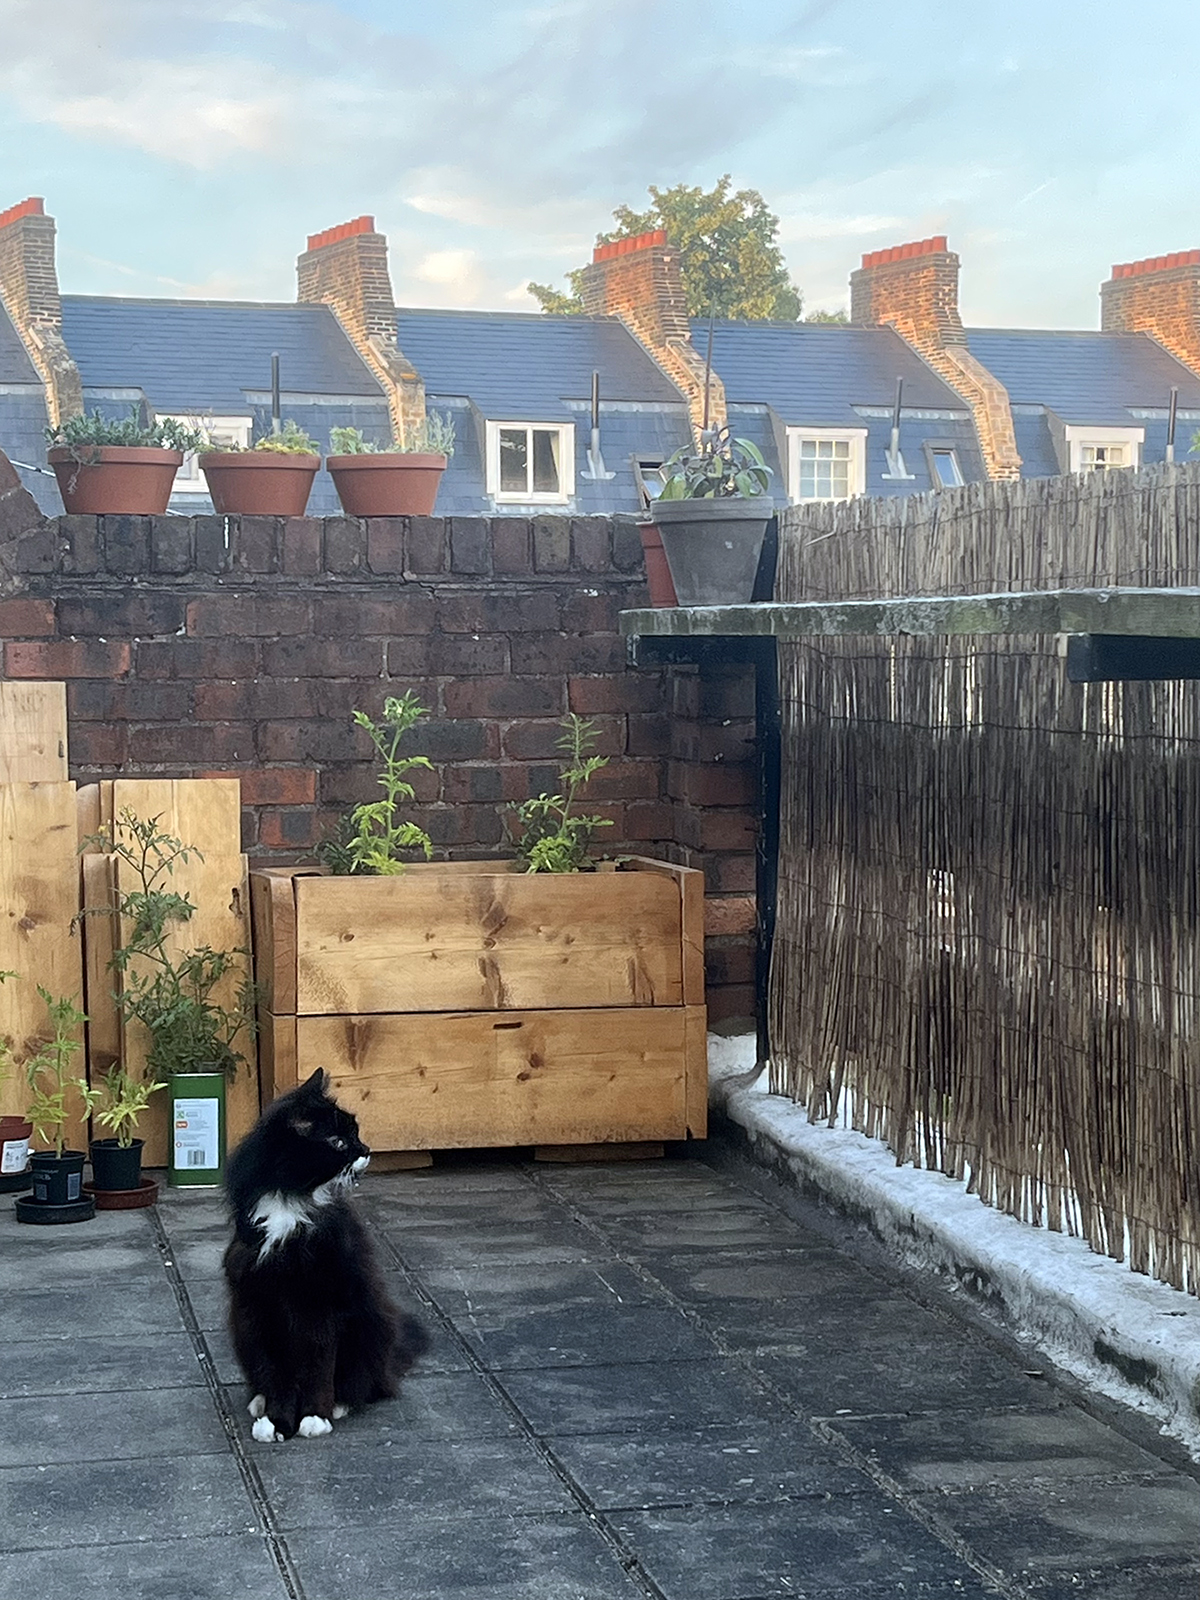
x: 202, y: 355
x: 1084, y: 377
x: 523, y: 365
x: 816, y: 373
x: 15, y: 365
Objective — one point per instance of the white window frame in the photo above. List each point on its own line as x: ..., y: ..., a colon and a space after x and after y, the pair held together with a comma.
x: 221, y: 430
x: 566, y: 464
x: 1077, y: 436
x: 856, y: 473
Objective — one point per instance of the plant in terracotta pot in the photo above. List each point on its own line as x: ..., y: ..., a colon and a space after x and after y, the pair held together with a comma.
x: 272, y: 479
x: 195, y: 1005
x: 712, y: 514
x: 399, y: 479
x: 117, y: 1182
x: 57, y: 1172
x: 124, y: 467
x: 15, y: 1130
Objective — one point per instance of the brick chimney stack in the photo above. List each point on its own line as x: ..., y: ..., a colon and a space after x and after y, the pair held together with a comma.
x: 346, y: 268
x: 638, y: 280
x: 913, y: 288
x: 29, y: 290
x: 1159, y: 296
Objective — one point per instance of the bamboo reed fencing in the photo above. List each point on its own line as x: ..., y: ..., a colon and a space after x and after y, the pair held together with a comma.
x: 987, y: 950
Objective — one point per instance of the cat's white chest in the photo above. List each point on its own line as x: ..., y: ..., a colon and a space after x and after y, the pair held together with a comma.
x: 280, y: 1216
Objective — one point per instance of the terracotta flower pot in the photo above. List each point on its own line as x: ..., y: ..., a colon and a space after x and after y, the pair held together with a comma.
x: 658, y: 573
x: 259, y: 483
x: 117, y: 480
x: 389, y: 483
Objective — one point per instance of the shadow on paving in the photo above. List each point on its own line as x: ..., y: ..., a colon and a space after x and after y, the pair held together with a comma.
x: 646, y: 1380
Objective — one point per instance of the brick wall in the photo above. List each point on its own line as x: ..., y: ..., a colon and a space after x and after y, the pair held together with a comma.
x: 1160, y: 296
x: 29, y: 291
x: 209, y: 645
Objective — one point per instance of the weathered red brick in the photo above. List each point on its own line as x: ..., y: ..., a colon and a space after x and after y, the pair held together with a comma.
x: 272, y: 786
x: 288, y: 828
x: 26, y: 619
x: 236, y: 616
x: 504, y: 697
x: 68, y: 658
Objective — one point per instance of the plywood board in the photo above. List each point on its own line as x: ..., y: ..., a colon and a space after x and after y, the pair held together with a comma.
x: 273, y: 920
x: 39, y: 897
x: 512, y: 1078
x: 695, y: 1051
x: 435, y: 941
x: 205, y: 813
x: 100, y: 981
x: 33, y: 732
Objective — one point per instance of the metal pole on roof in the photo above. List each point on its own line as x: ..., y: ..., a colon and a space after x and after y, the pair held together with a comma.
x: 1171, y: 410
x: 712, y: 317
x: 276, y: 423
x: 595, y: 466
x: 895, y: 461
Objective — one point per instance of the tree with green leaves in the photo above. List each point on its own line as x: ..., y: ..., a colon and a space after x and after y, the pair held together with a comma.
x: 728, y: 254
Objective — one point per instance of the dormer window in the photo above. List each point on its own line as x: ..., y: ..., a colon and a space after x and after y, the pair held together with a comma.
x: 826, y: 463
x: 945, y: 470
x: 531, y: 463
x: 1103, y: 449
x: 228, y: 432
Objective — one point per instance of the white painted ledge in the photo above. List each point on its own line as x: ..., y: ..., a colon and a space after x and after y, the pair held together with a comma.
x: 1053, y: 1290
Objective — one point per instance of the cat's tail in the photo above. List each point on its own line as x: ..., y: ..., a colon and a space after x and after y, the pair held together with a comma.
x: 412, y: 1341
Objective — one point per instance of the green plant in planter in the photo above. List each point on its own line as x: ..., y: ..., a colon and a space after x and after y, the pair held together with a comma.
x: 91, y: 430
x: 723, y: 467
x: 48, y: 1075
x: 554, y: 837
x: 370, y: 839
x: 170, y: 993
x: 291, y: 440
x: 433, y: 436
x: 124, y: 1099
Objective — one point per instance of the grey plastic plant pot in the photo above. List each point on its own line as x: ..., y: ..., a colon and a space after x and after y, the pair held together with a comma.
x: 197, y: 1129
x: 713, y: 547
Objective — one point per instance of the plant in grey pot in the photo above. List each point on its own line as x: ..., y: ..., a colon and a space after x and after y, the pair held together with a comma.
x: 712, y: 514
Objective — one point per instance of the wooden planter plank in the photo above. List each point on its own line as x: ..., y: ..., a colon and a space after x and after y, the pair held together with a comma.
x: 470, y: 1079
x: 33, y: 732
x: 100, y: 981
x: 486, y: 941
x: 39, y: 897
x: 205, y: 813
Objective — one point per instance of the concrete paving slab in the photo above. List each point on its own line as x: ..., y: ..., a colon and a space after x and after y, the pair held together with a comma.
x: 127, y: 1425
x: 538, y: 1338
x: 1150, y: 1580
x: 516, y: 1245
x: 108, y: 1305
x: 767, y: 1276
x: 65, y: 1364
x: 461, y: 1405
x: 637, y: 1398
x: 191, y: 1567
x: 487, y: 1291
x: 713, y: 1228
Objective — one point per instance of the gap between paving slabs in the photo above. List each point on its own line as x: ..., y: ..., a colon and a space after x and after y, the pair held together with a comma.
x: 1118, y: 1333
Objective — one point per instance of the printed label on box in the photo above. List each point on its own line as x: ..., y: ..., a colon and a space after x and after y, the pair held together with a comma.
x: 14, y: 1156
x: 197, y: 1135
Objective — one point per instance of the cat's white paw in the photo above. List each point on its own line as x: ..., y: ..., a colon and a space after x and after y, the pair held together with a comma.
x: 258, y: 1406
x: 340, y: 1411
x: 264, y: 1431
x: 314, y: 1427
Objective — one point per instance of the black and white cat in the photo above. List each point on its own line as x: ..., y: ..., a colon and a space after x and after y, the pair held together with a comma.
x: 312, y: 1324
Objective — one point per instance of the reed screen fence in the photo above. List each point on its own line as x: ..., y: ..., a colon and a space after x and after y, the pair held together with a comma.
x: 987, y: 936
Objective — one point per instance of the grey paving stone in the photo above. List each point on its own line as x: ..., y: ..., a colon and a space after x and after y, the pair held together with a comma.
x: 118, y: 1426
x: 1057, y: 1528
x: 1151, y: 1580
x: 481, y: 1178
x: 859, y: 1545
x: 745, y: 1462
x: 765, y: 1276
x: 198, y: 1258
x: 405, y: 1210
x: 504, y: 1244
x: 84, y: 1307
x: 473, y: 1558
x: 707, y: 1228
x: 124, y: 1259
x: 460, y: 1405
x: 181, y: 1569
x: 600, y: 1334
x: 209, y: 1302
x: 404, y: 1478
x: 70, y: 1365
x: 804, y: 1324
x: 636, y: 1398
x: 972, y: 1450
x: 490, y: 1292
x: 108, y: 1502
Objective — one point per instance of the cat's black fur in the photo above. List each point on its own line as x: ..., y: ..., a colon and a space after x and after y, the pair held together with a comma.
x: 311, y: 1321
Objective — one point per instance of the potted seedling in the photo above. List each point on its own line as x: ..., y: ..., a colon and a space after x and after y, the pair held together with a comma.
x: 548, y: 1000
x: 398, y: 480
x: 15, y: 1130
x: 175, y: 995
x: 117, y: 1182
x: 712, y: 514
x: 119, y: 467
x: 272, y: 479
x: 57, y: 1172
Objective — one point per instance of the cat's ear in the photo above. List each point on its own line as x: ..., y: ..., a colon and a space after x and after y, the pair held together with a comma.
x: 318, y: 1083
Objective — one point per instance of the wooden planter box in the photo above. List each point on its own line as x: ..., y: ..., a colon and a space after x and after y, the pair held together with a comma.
x: 467, y: 1004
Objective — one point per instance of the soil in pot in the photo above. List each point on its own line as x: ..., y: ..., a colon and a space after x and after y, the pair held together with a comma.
x: 115, y: 480
x: 259, y: 483
x: 115, y: 1167
x: 15, y: 1134
x: 387, y: 483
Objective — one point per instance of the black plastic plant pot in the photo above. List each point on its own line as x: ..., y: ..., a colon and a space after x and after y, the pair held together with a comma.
x: 713, y: 547
x: 27, y: 1209
x: 114, y: 1167
x: 57, y: 1180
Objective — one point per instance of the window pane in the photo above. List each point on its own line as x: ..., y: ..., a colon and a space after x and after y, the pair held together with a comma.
x: 514, y: 461
x: 545, y: 460
x: 945, y: 465
x: 824, y: 469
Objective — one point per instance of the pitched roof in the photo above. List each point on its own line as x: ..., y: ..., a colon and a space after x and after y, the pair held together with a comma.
x: 202, y: 355
x: 1084, y: 377
x: 15, y: 365
x: 523, y: 365
x: 816, y: 373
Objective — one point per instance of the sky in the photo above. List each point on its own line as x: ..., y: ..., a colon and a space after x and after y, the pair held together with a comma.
x: 189, y: 149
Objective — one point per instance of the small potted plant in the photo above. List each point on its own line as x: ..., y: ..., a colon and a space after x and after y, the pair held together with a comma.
x: 117, y: 1183
x: 398, y: 480
x: 712, y: 514
x: 57, y: 1172
x: 554, y: 837
x: 15, y: 1130
x: 122, y: 468
x: 272, y: 479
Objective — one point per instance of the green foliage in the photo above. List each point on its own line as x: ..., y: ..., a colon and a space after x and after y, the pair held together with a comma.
x: 125, y: 1098
x: 291, y: 440
x: 92, y: 429
x: 553, y: 838
x: 48, y: 1074
x: 336, y: 851
x: 729, y: 257
x: 375, y: 836
x: 837, y: 317
x: 434, y: 435
x: 724, y: 466
x: 171, y: 993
